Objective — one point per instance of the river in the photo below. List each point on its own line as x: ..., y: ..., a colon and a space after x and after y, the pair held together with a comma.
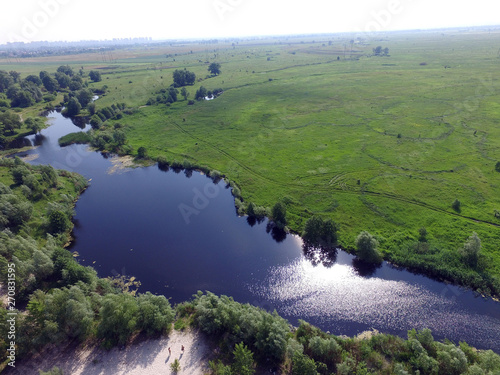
x: 178, y: 232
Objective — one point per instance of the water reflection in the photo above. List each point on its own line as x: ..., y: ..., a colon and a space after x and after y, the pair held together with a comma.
x: 365, y: 269
x: 315, y: 255
x: 38, y: 139
x: 277, y: 234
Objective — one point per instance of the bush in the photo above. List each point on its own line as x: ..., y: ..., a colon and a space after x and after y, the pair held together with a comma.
x: 175, y: 366
x: 142, y: 153
x: 58, y: 222
x: 497, y: 166
x: 118, y: 318
x: 366, y: 246
x: 266, y: 334
x: 456, y: 205
x: 303, y: 365
x: 74, y: 138
x: 471, y: 250
x: 155, y: 313
x: 243, y: 360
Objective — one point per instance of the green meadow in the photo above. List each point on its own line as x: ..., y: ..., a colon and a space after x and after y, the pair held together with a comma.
x: 384, y: 144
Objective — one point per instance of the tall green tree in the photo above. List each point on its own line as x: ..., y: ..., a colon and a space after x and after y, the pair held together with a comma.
x: 6, y: 81
x: 214, y: 69
x: 66, y: 69
x: 319, y: 232
x: 184, y: 93
x: 278, y: 214
x: 200, y: 93
x: 63, y: 80
x: 49, y: 83
x: 183, y: 77
x: 84, y: 96
x: 73, y: 108
x: 95, y: 76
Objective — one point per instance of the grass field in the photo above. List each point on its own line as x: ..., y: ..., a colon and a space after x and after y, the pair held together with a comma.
x: 383, y: 144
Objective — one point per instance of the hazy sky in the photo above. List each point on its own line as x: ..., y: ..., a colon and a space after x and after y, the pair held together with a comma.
x: 31, y: 20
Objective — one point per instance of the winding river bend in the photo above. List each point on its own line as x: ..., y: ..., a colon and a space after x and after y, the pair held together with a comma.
x: 178, y: 233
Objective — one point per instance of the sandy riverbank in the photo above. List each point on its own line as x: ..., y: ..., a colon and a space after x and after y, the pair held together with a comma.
x: 147, y: 357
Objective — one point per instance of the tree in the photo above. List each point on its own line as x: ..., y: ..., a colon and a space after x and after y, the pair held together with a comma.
x: 214, y: 68
x: 34, y: 79
x: 142, y: 152
x: 366, y: 246
x: 33, y: 89
x: 119, y: 137
x: 184, y: 93
x: 85, y: 97
x: 9, y: 121
x: 95, y: 122
x: 319, y: 232
x: 303, y: 365
x: 66, y: 69
x: 456, y: 205
x: 95, y: 76
x: 15, y: 76
x: 49, y: 83
x: 183, y: 77
x: 63, y: 79
x: 43, y: 74
x: 22, y: 99
x: 6, y: 81
x: 497, y: 166
x: 471, y: 250
x: 201, y: 93
x: 19, y: 173
x: 73, y: 108
x: 58, y: 222
x: 34, y: 124
x: 377, y: 51
x: 243, y: 360
x: 278, y: 214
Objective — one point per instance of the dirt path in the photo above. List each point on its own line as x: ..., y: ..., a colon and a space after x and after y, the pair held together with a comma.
x: 147, y: 357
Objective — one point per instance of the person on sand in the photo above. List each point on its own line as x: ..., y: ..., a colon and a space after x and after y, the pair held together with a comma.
x: 182, y: 348
x: 169, y: 351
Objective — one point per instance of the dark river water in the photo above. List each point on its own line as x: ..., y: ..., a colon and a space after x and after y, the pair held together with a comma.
x: 179, y: 233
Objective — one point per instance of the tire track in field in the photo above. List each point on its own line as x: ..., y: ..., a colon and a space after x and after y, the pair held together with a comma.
x: 337, y: 189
